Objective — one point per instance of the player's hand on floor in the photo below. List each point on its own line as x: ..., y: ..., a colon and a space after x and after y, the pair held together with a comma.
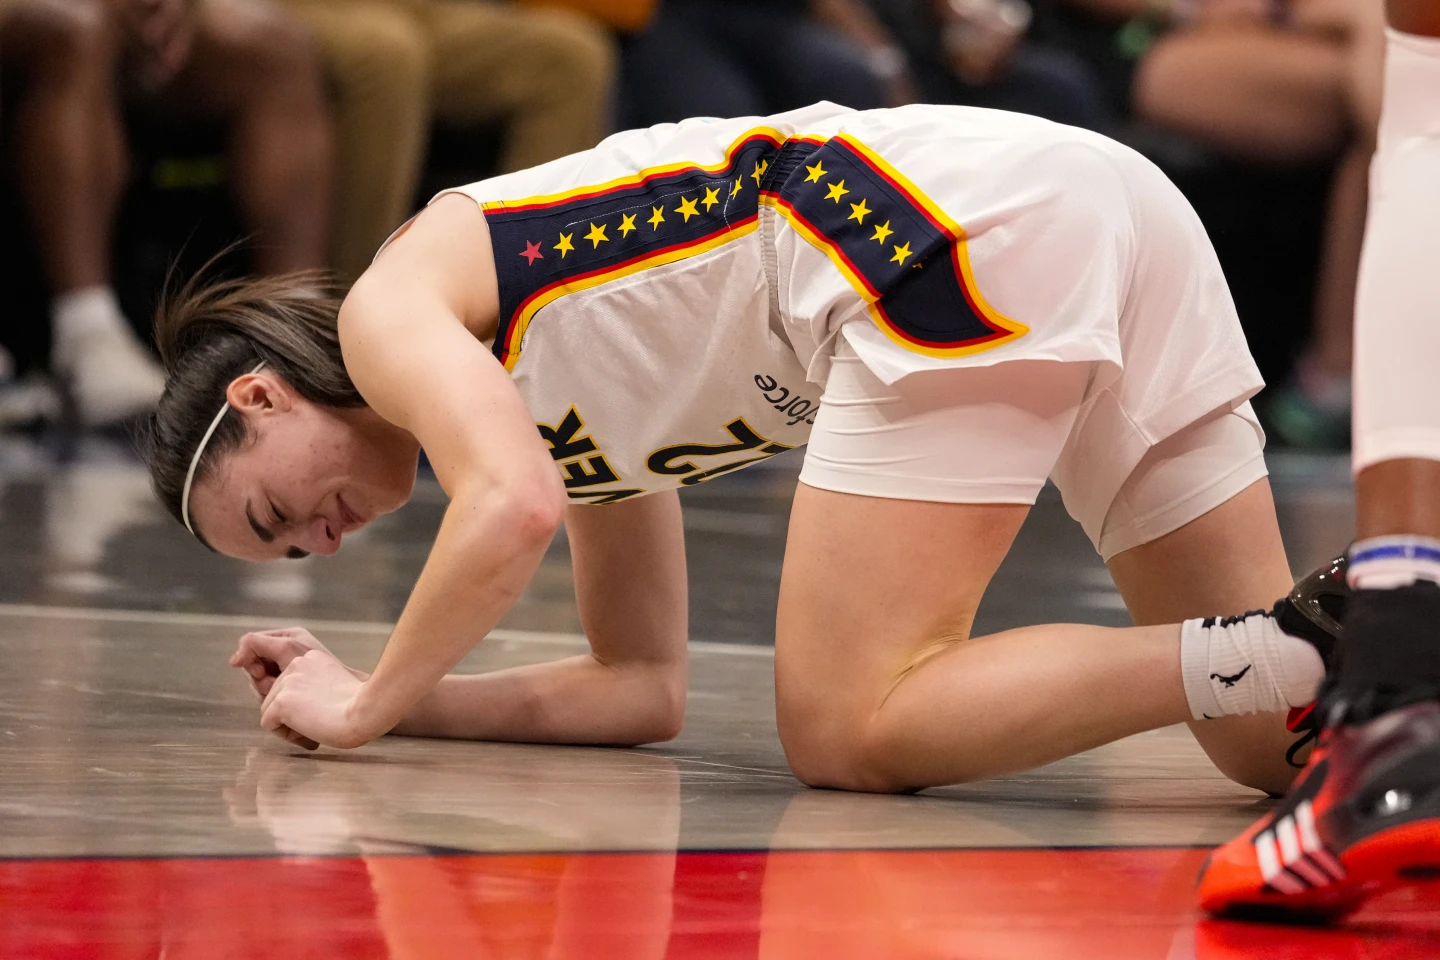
x: 265, y: 654
x: 313, y: 699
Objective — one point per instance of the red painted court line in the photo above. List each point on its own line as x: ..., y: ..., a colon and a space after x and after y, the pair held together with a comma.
x: 877, y: 905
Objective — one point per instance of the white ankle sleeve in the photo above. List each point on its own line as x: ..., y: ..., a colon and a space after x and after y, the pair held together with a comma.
x: 1245, y: 665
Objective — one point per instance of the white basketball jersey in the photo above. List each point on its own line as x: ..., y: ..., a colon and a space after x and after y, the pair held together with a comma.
x: 669, y: 299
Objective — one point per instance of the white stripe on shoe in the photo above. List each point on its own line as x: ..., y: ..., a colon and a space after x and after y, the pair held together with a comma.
x: 1292, y: 856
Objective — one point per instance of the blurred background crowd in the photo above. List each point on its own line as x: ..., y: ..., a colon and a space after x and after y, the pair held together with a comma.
x: 139, y: 134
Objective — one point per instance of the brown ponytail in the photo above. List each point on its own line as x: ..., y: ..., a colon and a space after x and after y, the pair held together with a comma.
x: 211, y: 331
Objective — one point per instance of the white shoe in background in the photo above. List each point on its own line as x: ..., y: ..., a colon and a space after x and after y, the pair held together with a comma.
x: 111, y: 379
x: 111, y: 375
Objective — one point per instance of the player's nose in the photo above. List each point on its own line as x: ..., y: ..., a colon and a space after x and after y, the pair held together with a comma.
x: 320, y: 536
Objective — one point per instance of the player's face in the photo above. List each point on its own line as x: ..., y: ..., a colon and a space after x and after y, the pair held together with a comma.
x: 309, y: 476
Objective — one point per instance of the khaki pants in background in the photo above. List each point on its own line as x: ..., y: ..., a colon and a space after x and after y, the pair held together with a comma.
x: 398, y: 65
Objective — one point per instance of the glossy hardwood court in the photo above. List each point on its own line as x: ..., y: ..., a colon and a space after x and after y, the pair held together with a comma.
x: 143, y: 814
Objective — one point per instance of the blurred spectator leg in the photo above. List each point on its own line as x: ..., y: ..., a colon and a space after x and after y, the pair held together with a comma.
x: 378, y: 59
x: 1252, y: 92
x: 70, y: 155
x: 549, y: 74
x: 674, y: 69
x: 255, y: 67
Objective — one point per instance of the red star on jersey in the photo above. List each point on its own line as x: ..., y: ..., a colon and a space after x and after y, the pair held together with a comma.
x: 531, y: 253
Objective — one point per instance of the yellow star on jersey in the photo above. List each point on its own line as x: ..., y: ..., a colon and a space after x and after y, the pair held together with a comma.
x: 657, y: 217
x: 858, y: 212
x: 596, y: 234
x: 882, y: 230
x: 739, y: 182
x: 901, y: 252
x: 760, y: 167
x: 687, y: 209
x: 627, y: 223
x: 565, y: 246
x: 837, y: 190
x: 712, y: 197
x: 816, y: 172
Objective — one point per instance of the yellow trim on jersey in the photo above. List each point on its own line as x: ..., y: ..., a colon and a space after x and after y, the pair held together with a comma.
x: 818, y: 241
x: 541, y: 300
x: 635, y: 179
x: 1015, y: 328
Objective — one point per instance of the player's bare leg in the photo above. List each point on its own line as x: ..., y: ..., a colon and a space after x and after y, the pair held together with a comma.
x: 1176, y: 578
x: 880, y: 686
x: 1365, y: 815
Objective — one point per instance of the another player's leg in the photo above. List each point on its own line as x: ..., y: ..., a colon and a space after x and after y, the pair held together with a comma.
x: 1365, y: 814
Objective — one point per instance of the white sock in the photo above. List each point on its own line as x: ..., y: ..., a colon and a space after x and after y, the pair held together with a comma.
x: 109, y: 372
x: 85, y: 313
x: 1246, y: 665
x: 1385, y: 563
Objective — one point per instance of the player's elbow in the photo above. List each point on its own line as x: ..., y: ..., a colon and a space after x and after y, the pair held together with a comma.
x: 662, y: 726
x: 534, y: 506
x: 668, y: 710
x: 538, y: 516
x: 654, y: 696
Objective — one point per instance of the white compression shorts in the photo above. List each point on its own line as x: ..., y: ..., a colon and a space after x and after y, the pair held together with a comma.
x: 1397, y: 303
x: 995, y: 434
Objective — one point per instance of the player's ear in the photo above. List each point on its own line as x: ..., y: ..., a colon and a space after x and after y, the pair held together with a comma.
x: 260, y: 392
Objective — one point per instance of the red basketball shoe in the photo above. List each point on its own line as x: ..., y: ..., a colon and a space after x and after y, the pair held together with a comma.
x: 1362, y: 818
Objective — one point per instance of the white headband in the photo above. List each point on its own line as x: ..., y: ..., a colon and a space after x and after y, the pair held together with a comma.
x: 195, y: 460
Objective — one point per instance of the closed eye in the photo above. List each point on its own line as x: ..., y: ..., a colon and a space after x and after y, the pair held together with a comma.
x: 294, y: 553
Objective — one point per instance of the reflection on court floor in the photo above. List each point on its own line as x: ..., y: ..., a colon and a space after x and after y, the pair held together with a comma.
x: 1121, y: 904
x: 143, y: 814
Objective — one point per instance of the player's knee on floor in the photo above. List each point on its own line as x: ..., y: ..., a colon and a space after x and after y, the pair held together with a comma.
x: 835, y: 749
x: 840, y: 764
